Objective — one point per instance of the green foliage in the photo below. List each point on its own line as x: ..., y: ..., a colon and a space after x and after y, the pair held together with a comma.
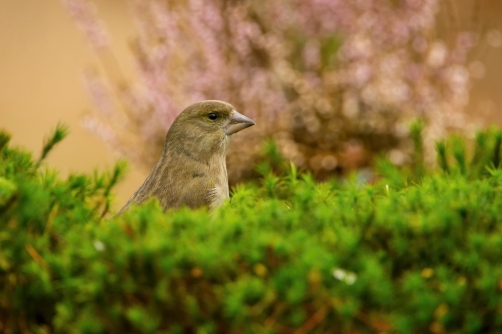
x: 59, y: 133
x: 413, y: 252
x: 417, y: 165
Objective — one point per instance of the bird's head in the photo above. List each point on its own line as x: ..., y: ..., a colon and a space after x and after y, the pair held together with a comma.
x: 208, y: 123
x: 214, y: 116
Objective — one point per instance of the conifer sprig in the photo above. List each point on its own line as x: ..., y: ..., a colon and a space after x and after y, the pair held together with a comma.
x: 115, y: 176
x: 59, y: 133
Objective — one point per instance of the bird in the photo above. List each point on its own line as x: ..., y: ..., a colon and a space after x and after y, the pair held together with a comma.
x: 191, y: 170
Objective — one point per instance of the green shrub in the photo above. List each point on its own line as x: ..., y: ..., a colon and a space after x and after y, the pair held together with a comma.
x: 415, y: 251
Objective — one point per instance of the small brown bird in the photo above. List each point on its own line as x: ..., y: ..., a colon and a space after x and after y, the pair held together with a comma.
x: 192, y: 170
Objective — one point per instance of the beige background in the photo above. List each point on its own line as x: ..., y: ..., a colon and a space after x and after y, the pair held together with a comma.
x: 42, y: 55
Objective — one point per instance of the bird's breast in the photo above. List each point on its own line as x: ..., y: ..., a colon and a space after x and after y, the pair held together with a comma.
x: 218, y: 189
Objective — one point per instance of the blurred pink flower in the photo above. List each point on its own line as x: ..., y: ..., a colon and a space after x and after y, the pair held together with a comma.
x: 314, y: 74
x: 83, y: 13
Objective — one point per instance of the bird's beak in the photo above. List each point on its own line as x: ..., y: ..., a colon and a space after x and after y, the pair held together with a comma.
x: 238, y: 122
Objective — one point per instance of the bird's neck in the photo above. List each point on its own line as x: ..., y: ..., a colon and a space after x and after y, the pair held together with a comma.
x: 200, y: 150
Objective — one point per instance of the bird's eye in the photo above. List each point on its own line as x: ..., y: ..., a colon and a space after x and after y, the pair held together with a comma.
x: 212, y: 116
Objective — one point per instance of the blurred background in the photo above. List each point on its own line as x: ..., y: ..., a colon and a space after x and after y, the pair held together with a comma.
x: 332, y: 83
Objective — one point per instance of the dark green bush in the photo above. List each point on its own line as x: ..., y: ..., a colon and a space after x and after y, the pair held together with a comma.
x: 415, y: 251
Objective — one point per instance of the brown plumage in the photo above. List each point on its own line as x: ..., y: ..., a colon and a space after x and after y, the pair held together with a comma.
x: 192, y: 170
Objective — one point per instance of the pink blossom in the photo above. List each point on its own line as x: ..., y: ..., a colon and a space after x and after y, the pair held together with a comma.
x: 84, y: 15
x: 314, y: 73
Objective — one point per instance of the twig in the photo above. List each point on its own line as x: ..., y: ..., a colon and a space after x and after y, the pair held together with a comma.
x: 51, y: 217
x: 37, y: 257
x: 313, y: 321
